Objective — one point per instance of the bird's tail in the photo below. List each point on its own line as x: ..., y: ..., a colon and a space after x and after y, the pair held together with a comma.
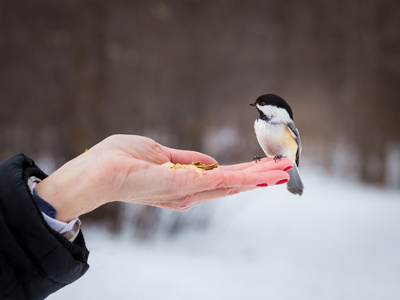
x: 295, y: 184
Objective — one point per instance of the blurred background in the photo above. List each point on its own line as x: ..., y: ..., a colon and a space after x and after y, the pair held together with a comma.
x: 183, y: 73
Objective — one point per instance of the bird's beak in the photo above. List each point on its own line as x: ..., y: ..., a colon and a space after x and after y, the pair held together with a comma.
x: 252, y: 104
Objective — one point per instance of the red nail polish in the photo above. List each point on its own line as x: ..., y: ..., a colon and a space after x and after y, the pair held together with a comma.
x: 262, y: 184
x: 282, y: 181
x: 287, y: 168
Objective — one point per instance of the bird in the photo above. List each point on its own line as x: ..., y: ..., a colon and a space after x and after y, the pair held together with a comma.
x: 278, y: 136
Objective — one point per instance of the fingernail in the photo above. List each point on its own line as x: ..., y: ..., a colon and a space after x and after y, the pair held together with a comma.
x: 262, y: 184
x: 282, y: 181
x: 287, y: 168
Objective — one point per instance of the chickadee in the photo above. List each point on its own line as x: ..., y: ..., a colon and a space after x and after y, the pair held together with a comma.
x: 278, y: 136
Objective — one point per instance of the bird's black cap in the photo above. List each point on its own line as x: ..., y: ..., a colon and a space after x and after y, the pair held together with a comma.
x: 274, y: 100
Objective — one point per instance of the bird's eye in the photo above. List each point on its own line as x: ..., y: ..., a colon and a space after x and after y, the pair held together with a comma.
x: 262, y: 103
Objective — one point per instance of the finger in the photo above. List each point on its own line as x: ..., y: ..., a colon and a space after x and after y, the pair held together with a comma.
x: 217, y: 179
x: 281, y: 164
x: 237, y: 167
x: 242, y: 179
x: 187, y: 157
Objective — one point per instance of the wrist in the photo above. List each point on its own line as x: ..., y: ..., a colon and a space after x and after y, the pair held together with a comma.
x: 69, y: 190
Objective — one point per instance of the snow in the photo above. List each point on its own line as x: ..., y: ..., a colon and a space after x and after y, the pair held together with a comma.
x: 340, y: 240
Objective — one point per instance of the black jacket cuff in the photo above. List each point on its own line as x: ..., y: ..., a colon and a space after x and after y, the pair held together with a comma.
x: 35, y: 261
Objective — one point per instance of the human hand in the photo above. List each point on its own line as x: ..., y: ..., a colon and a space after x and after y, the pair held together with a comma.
x: 128, y: 168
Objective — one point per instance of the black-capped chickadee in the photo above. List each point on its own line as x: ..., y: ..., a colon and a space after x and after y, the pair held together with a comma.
x: 278, y: 136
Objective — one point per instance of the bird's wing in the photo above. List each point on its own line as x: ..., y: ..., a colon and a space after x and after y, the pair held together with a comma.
x: 296, y: 135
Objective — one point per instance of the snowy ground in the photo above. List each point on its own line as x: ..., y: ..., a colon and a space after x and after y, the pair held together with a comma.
x: 341, y: 240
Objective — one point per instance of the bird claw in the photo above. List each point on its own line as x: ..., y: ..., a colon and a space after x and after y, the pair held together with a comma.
x: 257, y: 158
x: 276, y: 157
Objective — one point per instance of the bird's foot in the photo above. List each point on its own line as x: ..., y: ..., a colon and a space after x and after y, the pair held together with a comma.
x: 257, y: 158
x: 276, y: 157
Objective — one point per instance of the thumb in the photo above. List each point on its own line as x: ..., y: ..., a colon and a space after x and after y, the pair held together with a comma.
x: 187, y: 157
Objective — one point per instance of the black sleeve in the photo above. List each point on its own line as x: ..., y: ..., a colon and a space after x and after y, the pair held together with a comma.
x: 35, y: 261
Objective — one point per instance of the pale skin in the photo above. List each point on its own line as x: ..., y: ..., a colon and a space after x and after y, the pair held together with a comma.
x: 128, y: 168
